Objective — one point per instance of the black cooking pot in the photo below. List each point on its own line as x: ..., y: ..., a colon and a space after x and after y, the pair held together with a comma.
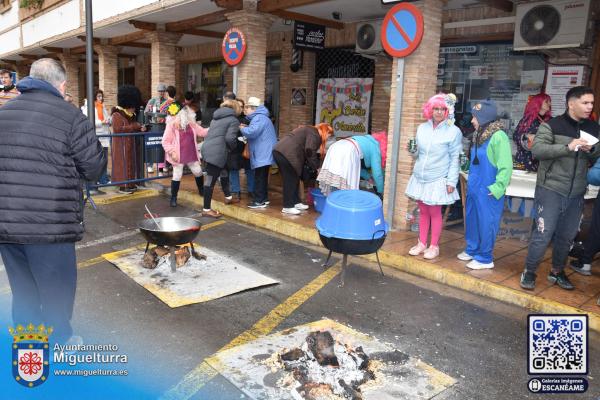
x: 171, y: 231
x: 352, y: 222
x: 352, y: 246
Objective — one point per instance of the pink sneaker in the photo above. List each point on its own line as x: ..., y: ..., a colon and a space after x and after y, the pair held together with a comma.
x: 432, y: 252
x: 418, y: 249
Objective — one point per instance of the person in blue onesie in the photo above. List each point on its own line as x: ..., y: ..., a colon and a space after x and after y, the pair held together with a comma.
x: 489, y: 175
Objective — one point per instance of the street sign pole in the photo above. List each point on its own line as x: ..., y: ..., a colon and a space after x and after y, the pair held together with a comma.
x: 401, y: 33
x: 235, y: 80
x: 396, y: 141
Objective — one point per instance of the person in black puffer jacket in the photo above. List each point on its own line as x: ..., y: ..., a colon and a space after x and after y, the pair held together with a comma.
x: 221, y: 139
x: 47, y: 149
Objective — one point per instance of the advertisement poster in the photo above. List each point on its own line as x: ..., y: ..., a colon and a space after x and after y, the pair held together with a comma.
x: 344, y: 104
x: 560, y: 80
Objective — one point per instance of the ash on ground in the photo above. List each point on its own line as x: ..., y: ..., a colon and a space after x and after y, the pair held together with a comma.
x: 323, y: 369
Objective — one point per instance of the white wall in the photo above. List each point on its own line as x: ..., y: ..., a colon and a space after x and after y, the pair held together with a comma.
x: 60, y: 20
x: 10, y: 41
x: 11, y: 17
x: 107, y: 8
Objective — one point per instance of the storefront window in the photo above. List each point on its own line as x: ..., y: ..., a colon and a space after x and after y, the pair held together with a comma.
x: 207, y: 81
x: 272, y: 89
x: 477, y: 72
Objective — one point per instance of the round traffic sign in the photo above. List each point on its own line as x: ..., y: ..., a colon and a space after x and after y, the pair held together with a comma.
x: 402, y: 30
x: 234, y: 46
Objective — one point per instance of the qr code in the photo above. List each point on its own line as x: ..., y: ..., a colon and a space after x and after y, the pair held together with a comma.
x: 557, y: 344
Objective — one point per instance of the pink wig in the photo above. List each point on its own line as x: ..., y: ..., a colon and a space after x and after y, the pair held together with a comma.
x: 381, y: 138
x: 534, y: 104
x: 437, y: 101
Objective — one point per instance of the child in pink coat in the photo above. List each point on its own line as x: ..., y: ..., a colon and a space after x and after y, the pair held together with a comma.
x: 179, y: 142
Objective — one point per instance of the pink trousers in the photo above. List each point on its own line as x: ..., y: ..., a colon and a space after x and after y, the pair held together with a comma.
x: 430, y: 216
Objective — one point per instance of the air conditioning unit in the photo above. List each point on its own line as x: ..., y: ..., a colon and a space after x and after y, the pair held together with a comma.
x: 551, y: 24
x: 368, y: 37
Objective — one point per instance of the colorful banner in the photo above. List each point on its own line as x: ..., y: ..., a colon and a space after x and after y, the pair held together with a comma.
x: 344, y: 103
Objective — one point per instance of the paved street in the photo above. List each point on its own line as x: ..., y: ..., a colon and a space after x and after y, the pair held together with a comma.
x: 477, y: 341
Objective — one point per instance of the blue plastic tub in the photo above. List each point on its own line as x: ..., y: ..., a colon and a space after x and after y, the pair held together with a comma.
x: 352, y: 214
x: 318, y: 199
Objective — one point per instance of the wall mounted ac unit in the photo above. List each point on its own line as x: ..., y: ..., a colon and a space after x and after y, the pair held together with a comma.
x: 551, y: 24
x: 368, y: 40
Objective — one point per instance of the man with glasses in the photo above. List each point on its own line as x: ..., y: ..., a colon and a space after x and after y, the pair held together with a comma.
x: 7, y: 88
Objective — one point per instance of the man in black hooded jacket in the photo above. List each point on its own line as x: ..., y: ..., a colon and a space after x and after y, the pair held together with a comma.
x: 47, y: 147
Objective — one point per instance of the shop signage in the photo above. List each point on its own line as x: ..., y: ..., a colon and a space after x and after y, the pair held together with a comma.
x: 458, y: 50
x: 344, y: 104
x: 234, y: 46
x: 560, y: 79
x: 309, y: 36
x: 402, y: 30
x: 299, y: 96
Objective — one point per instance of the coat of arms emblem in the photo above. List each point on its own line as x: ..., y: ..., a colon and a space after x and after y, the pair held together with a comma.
x: 30, y: 354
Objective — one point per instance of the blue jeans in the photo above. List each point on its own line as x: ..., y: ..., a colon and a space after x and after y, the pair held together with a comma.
x: 103, y: 180
x: 42, y: 278
x: 234, y: 180
x: 558, y: 218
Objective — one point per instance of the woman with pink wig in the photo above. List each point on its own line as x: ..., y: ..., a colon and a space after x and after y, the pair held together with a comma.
x: 435, y: 173
x: 537, y: 110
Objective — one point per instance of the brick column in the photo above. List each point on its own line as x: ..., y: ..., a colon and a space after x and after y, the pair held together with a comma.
x: 418, y: 87
x: 22, y: 70
x: 180, y: 74
x: 108, y: 74
x: 163, y: 55
x: 142, y: 75
x: 71, y: 64
x: 251, y: 71
x: 380, y: 110
x: 290, y: 116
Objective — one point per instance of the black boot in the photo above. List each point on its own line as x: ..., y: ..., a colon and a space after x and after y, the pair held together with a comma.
x: 200, y: 184
x: 174, y: 191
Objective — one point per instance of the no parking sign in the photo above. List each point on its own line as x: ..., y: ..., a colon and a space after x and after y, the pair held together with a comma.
x: 234, y: 46
x: 402, y: 30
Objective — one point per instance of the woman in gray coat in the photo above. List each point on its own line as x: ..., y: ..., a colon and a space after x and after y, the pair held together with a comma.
x: 221, y: 139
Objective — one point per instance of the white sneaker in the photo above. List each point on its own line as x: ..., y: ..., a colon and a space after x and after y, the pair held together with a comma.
x: 301, y: 207
x: 477, y: 265
x: 150, y: 170
x: 464, y: 256
x: 293, y: 211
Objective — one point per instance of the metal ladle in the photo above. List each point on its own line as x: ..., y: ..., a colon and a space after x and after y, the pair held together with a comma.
x: 152, y: 216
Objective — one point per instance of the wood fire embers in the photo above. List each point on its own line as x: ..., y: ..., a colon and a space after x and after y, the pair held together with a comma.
x: 324, y: 368
x: 154, y: 256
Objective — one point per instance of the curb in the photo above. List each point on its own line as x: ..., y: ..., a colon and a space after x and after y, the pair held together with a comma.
x: 406, y: 264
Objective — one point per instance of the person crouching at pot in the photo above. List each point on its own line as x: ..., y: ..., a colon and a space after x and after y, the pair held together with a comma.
x: 221, y: 139
x: 291, y: 153
x: 179, y: 142
x: 489, y: 176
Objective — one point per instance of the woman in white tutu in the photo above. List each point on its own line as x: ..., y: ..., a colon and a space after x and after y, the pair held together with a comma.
x: 341, y: 168
x: 435, y: 173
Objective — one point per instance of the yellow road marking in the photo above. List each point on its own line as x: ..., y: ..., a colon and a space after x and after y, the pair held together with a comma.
x: 140, y: 194
x: 203, y: 373
x: 90, y: 262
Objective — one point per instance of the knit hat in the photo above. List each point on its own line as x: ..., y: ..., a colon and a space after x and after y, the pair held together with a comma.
x: 485, y: 111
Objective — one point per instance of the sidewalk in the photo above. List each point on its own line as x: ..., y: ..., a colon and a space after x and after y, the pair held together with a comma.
x: 501, y: 283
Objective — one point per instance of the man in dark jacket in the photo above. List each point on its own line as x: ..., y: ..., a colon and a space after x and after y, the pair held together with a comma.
x: 47, y: 148
x: 561, y: 184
